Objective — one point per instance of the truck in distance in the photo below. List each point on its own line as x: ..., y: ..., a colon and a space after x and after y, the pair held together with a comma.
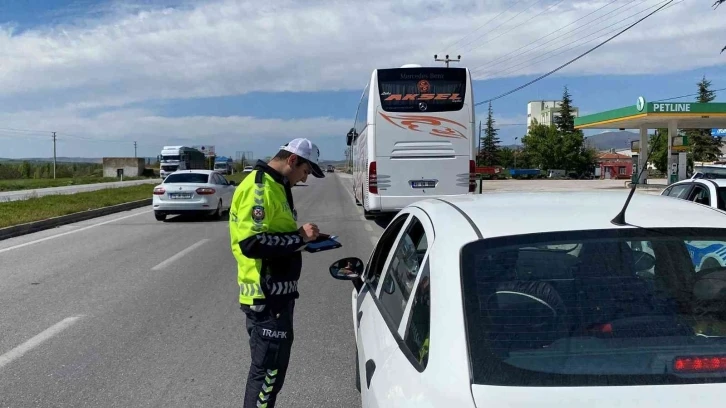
x: 223, y: 164
x: 173, y: 158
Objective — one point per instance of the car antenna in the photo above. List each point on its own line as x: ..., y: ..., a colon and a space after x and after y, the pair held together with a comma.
x: 620, y: 218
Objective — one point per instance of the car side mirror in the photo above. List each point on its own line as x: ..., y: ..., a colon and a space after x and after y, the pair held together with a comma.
x: 643, y: 261
x: 347, y: 269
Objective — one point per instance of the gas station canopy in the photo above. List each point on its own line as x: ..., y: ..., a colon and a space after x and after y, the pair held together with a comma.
x: 654, y: 115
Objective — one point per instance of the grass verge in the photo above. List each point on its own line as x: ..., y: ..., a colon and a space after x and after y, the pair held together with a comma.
x: 237, y: 177
x: 41, y: 208
x: 30, y: 184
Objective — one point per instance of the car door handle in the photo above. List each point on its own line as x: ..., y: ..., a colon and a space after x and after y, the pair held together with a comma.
x: 370, y: 369
x: 360, y: 315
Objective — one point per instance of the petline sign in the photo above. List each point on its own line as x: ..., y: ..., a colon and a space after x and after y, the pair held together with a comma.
x: 671, y: 107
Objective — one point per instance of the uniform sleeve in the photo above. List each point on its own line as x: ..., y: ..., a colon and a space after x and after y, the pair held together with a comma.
x: 249, y: 223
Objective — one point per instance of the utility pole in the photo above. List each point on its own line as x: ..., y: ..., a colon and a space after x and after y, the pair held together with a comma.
x: 54, y: 155
x: 134, y: 150
x: 447, y: 60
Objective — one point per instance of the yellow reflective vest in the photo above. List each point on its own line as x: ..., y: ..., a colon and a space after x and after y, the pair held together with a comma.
x: 265, y: 238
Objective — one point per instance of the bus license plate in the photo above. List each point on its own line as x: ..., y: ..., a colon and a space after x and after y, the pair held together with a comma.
x: 423, y: 183
x: 180, y: 195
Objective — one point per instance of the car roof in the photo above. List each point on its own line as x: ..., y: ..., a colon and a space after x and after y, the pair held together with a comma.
x: 718, y: 182
x: 514, y: 213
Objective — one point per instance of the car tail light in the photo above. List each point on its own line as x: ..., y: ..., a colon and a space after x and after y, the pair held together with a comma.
x: 205, y: 191
x: 703, y: 364
x: 372, y: 179
x: 472, y: 171
x: 159, y: 190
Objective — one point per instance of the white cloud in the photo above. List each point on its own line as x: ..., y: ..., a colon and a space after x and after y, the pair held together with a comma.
x: 113, y: 133
x: 122, y: 54
x: 233, y: 47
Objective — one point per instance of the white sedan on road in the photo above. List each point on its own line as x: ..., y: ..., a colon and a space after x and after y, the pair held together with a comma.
x: 709, y: 192
x: 524, y: 300
x: 193, y: 191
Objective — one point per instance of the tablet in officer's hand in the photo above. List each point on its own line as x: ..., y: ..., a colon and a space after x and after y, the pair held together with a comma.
x: 323, y: 243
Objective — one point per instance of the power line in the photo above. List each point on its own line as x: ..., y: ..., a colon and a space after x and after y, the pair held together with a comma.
x: 539, y: 60
x: 515, y: 16
x: 494, y: 62
x: 686, y: 96
x: 574, y: 59
x: 478, y: 28
x: 530, y: 19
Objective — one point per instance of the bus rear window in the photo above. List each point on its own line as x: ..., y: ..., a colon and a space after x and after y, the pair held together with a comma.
x: 422, y: 89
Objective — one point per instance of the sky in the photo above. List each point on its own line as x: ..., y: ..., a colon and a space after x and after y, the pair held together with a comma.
x: 251, y: 75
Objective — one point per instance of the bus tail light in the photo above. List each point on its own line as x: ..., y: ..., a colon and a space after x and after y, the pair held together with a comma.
x: 372, y: 178
x: 472, y: 174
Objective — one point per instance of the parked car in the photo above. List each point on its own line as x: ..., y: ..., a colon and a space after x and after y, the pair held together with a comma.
x: 709, y: 192
x: 540, y: 299
x: 193, y: 191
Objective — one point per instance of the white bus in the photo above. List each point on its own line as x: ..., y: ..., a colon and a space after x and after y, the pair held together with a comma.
x: 413, y: 138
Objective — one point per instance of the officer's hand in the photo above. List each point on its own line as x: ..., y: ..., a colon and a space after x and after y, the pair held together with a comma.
x: 309, y: 232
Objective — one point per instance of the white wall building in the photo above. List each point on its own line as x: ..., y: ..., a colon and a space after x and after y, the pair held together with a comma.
x: 545, y: 111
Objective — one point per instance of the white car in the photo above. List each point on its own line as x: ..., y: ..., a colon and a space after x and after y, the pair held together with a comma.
x: 524, y: 300
x: 709, y: 192
x: 193, y: 191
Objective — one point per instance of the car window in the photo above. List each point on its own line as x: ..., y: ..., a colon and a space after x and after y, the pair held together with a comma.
x: 402, y: 270
x: 417, y: 332
x: 679, y: 191
x: 700, y: 194
x: 383, y: 248
x: 187, y: 178
x: 604, y: 307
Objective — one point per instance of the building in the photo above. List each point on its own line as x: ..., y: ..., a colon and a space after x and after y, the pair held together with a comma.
x: 612, y: 165
x: 545, y: 112
x: 128, y: 166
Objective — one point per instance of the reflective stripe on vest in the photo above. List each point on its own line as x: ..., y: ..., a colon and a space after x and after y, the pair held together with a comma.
x: 283, y: 288
x: 250, y: 289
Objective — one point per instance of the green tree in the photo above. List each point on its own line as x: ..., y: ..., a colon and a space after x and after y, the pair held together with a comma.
x: 506, y: 157
x: 489, y: 151
x: 659, y: 150
x: 543, y: 146
x: 565, y: 122
x: 703, y: 146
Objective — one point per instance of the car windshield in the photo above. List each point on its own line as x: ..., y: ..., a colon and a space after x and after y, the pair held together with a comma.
x: 187, y: 178
x: 606, y: 307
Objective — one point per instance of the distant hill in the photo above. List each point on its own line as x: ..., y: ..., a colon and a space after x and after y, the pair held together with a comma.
x: 612, y: 140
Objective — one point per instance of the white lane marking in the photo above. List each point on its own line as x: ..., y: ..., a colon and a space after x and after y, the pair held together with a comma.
x: 72, y: 232
x: 374, y: 240
x: 368, y: 227
x: 179, y: 255
x: 18, y: 352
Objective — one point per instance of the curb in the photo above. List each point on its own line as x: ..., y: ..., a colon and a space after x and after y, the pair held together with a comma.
x: 36, y: 226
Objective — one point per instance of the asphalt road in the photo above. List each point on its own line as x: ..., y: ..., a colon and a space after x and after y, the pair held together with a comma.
x: 125, y: 311
x: 39, y: 192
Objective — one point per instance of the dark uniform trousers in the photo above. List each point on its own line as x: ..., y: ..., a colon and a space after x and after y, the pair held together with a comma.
x: 271, y: 337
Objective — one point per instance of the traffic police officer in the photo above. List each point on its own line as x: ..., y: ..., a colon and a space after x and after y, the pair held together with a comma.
x: 266, y: 242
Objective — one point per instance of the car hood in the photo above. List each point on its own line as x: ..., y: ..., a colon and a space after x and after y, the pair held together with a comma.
x: 660, y: 396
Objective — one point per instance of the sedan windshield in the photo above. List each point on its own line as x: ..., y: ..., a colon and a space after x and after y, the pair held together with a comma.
x: 606, y: 307
x: 198, y: 178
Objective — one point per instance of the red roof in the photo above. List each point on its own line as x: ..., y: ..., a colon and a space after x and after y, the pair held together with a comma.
x: 612, y: 156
